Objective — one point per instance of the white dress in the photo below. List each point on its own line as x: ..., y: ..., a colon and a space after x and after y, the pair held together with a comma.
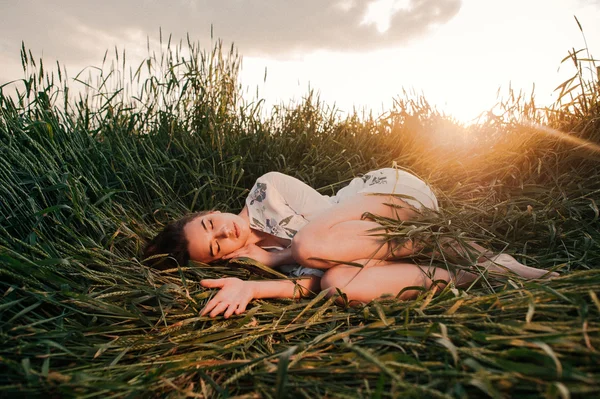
x: 281, y: 205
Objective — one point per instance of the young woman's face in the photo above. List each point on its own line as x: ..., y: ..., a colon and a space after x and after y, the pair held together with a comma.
x: 214, y: 235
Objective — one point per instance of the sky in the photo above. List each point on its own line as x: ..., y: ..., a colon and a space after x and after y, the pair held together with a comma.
x: 355, y: 53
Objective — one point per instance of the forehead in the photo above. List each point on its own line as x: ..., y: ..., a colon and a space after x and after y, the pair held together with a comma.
x: 198, y: 240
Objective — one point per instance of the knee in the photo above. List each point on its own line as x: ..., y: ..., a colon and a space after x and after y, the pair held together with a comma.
x: 331, y: 280
x: 334, y: 281
x: 341, y: 280
x: 338, y: 278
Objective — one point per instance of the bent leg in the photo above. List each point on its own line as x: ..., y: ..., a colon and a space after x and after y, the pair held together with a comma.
x: 500, y: 264
x: 504, y: 264
x: 471, y: 253
x: 341, y: 234
x: 379, y: 278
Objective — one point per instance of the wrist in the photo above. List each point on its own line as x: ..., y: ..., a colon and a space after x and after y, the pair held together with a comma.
x: 264, y: 289
x: 254, y: 288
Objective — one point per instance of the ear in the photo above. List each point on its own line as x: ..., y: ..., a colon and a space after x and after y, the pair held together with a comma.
x: 215, y: 212
x: 149, y: 249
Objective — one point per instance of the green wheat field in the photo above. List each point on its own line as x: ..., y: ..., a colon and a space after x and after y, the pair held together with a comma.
x: 88, y: 177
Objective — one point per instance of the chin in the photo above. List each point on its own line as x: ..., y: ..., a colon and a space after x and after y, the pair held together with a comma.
x: 244, y: 232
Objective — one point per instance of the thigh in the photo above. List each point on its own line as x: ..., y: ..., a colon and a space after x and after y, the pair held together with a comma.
x: 379, y: 278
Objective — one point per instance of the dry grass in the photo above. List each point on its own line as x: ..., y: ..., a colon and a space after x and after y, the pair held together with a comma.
x: 85, y: 181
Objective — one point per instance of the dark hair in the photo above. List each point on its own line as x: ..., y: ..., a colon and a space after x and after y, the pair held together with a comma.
x: 171, y: 240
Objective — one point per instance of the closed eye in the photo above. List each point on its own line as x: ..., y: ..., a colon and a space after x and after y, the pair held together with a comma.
x: 211, y: 224
x: 213, y: 250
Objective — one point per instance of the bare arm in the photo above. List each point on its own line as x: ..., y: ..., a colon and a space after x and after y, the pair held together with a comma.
x: 283, y: 257
x: 235, y: 294
x: 269, y: 258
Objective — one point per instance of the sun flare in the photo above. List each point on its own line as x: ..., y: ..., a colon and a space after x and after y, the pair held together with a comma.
x: 578, y: 142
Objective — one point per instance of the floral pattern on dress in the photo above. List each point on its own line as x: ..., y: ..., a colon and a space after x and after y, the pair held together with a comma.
x: 257, y: 224
x: 378, y: 180
x: 259, y: 194
x: 273, y: 227
x: 270, y: 212
x: 374, y: 179
x: 286, y: 221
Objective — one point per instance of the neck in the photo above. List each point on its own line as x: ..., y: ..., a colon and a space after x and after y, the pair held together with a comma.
x: 255, y: 236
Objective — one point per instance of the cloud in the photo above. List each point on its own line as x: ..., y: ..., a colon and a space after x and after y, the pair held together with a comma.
x: 265, y: 26
x: 81, y: 30
x: 278, y: 28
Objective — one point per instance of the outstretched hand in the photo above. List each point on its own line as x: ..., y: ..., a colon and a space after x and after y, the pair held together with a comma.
x: 234, y: 296
x: 255, y: 252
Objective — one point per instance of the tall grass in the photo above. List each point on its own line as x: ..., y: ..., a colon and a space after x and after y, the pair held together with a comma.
x: 86, y: 178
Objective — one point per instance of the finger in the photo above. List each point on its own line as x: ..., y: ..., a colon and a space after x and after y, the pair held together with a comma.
x: 209, y: 306
x: 238, y: 253
x: 230, y: 310
x: 241, y: 308
x: 220, y: 308
x: 213, y: 283
x: 231, y: 254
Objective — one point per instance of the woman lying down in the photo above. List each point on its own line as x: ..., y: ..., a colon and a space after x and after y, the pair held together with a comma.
x: 313, y: 234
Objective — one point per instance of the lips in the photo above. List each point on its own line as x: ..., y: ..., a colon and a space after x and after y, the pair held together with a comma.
x: 236, y: 229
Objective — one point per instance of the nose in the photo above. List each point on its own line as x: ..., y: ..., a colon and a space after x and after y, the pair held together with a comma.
x: 225, y: 232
